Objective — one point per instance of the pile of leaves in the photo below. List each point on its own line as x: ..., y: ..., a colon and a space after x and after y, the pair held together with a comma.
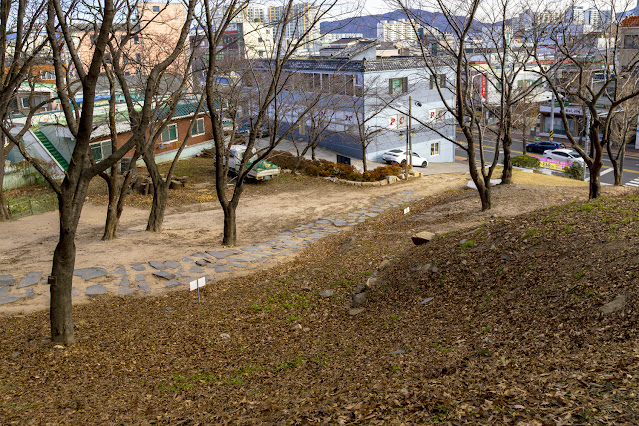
x: 324, y: 168
x: 500, y: 324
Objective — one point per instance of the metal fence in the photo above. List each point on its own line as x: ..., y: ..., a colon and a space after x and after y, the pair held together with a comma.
x: 27, y: 206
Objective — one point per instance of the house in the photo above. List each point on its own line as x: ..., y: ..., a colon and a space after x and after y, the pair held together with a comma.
x: 368, y: 102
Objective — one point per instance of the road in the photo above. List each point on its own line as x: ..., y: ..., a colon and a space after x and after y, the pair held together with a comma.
x: 630, y: 171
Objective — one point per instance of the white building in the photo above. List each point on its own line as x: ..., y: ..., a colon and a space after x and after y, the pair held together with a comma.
x: 398, y: 31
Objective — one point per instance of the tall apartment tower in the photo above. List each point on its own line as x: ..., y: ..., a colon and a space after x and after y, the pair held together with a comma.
x: 397, y: 31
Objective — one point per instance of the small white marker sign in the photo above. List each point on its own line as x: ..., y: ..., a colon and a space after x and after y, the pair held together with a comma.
x: 200, y: 282
x: 406, y: 210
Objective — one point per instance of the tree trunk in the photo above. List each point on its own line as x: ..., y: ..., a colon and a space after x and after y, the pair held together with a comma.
x: 230, y: 230
x: 4, y: 210
x: 61, y: 310
x: 523, y: 137
x: 158, y: 207
x: 364, y: 158
x: 298, y: 161
x: 313, y: 154
x: 482, y: 188
x: 484, y: 196
x: 111, y: 224
x: 617, y: 164
x: 595, y: 184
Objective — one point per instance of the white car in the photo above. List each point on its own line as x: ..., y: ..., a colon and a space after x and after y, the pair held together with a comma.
x: 564, y: 154
x: 398, y: 156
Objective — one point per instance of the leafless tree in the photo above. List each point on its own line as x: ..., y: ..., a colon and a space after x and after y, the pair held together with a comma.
x: 22, y: 38
x: 264, y: 83
x: 587, y: 75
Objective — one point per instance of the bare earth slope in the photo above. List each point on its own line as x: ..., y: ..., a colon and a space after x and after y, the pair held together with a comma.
x: 519, y: 329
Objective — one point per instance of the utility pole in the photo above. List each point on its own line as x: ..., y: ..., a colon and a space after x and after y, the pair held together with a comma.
x: 410, y: 128
x: 552, y: 116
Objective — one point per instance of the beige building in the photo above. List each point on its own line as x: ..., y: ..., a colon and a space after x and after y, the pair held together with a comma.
x: 155, y: 31
x: 630, y: 43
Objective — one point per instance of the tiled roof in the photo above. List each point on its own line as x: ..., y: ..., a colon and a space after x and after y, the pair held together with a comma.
x: 346, y: 65
x: 631, y: 21
x: 359, y: 47
x: 394, y: 63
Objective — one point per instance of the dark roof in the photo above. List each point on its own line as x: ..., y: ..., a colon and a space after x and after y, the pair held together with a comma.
x: 347, y: 65
x: 359, y: 47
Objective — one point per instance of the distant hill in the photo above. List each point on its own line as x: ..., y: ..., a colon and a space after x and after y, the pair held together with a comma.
x: 367, y: 25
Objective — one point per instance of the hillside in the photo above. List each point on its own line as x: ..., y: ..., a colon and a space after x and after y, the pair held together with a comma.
x: 519, y: 330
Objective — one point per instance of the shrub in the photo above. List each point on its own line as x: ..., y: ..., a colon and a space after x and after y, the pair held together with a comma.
x: 381, y: 172
x: 575, y: 171
x: 526, y: 161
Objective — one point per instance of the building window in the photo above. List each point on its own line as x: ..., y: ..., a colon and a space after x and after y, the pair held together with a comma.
x: 136, y: 39
x: 434, y: 148
x: 101, y: 150
x: 435, y: 78
x: 25, y: 102
x: 631, y: 41
x: 198, y: 127
x: 170, y: 134
x: 397, y: 86
x: 156, y: 8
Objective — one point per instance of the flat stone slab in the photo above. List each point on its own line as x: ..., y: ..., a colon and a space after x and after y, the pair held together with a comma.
x: 172, y: 283
x: 125, y: 291
x: 326, y: 293
x: 241, y: 259
x: 90, y: 273
x: 32, y: 278
x: 187, y: 259
x: 10, y: 299
x: 4, y: 291
x: 29, y: 293
x: 222, y: 269
x: 124, y: 282
x: 138, y: 267
x: 164, y: 274
x: 157, y: 265
x: 96, y: 290
x: 237, y: 265
x: 119, y: 271
x: 201, y: 262
x: 7, y: 280
x: 196, y: 270
x: 140, y: 277
x: 172, y: 264
x: 425, y: 301
x: 144, y: 288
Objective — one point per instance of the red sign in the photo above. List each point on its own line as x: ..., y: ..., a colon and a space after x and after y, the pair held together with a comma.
x: 484, y: 85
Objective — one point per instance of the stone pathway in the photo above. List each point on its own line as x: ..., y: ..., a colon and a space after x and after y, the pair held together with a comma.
x: 207, y: 263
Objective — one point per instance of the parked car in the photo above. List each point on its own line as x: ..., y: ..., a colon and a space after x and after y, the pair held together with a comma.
x: 564, y: 155
x: 264, y: 170
x: 541, y: 147
x: 398, y: 156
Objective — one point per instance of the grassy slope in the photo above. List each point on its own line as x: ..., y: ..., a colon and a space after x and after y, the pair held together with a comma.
x: 514, y: 334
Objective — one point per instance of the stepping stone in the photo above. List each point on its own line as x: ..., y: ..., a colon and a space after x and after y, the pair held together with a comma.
x: 222, y: 269
x: 90, y: 273
x: 172, y: 283
x: 75, y: 291
x: 215, y: 265
x: 96, y: 290
x: 182, y: 275
x: 10, y: 299
x: 372, y: 214
x: 29, y: 293
x: 144, y: 287
x: 164, y: 274
x: 187, y: 259
x: 7, y: 280
x: 196, y: 270
x: 172, y: 264
x: 237, y: 265
x: 201, y: 262
x: 125, y: 291
x: 119, y: 271
x: 139, y: 278
x: 240, y: 259
x: 157, y: 265
x: 4, y: 291
x: 124, y: 282
x: 138, y: 267
x: 32, y: 278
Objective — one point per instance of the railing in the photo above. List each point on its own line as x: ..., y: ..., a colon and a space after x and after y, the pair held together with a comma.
x: 27, y: 206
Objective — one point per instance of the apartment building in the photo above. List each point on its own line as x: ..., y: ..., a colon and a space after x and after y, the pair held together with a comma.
x: 398, y: 31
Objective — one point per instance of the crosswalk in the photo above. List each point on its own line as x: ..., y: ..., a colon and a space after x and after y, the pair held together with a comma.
x: 634, y: 182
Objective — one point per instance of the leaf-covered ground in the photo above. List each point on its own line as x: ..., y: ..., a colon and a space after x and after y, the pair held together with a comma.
x: 513, y: 334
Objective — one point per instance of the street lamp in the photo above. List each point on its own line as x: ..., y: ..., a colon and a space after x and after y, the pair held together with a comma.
x: 409, y: 135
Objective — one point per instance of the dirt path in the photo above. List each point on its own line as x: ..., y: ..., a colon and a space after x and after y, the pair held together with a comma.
x: 29, y: 242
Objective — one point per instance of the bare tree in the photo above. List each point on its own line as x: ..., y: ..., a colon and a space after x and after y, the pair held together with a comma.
x: 622, y: 128
x: 591, y: 77
x: 22, y: 39
x: 452, y: 74
x: 265, y: 81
